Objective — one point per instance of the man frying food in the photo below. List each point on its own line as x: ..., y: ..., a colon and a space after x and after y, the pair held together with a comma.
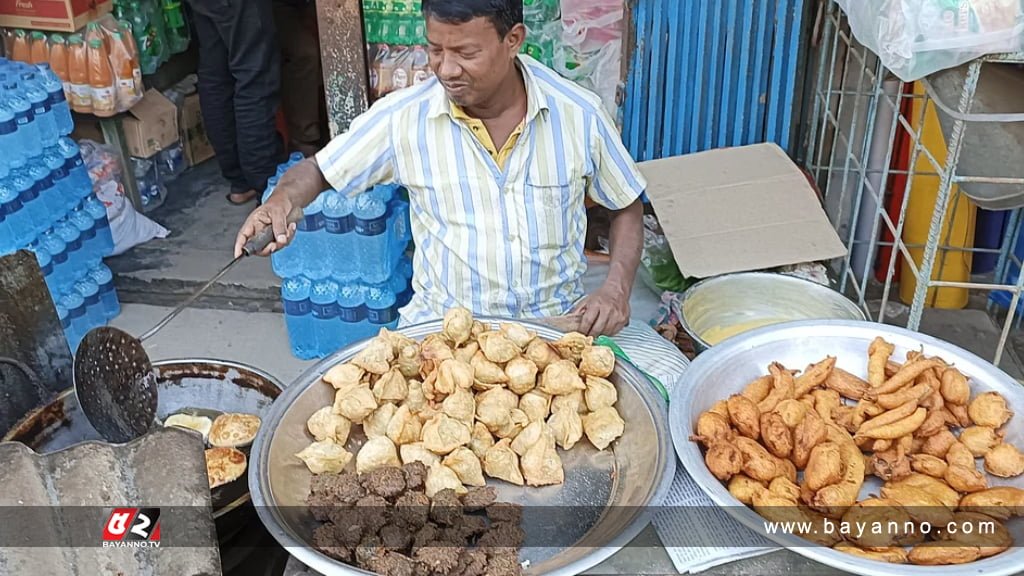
x: 498, y: 153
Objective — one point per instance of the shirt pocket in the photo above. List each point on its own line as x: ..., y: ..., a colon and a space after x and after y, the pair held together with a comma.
x: 554, y: 205
x: 554, y: 189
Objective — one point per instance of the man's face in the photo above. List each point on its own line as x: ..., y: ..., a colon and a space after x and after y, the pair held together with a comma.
x: 472, y: 60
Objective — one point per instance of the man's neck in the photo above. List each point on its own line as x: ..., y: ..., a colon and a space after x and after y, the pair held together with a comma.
x: 511, y: 95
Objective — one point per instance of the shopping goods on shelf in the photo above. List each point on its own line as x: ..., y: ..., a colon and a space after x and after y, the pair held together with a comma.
x: 345, y: 274
x: 159, y: 29
x: 47, y: 203
x: 98, y: 68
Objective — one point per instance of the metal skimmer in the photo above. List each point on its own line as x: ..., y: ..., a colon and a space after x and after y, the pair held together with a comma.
x: 114, y: 378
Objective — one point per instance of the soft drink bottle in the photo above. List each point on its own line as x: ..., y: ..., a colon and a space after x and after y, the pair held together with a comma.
x: 41, y: 108
x: 61, y: 183
x: 352, y: 312
x: 76, y: 256
x: 298, y: 316
x: 104, y: 278
x: 78, y: 74
x: 29, y: 194
x: 62, y: 269
x: 371, y: 240
x: 81, y: 184
x: 101, y: 80
x: 29, y: 138
x: 22, y: 231
x: 339, y: 227
x: 54, y: 85
x: 78, y: 323
x: 91, y: 249
x: 98, y: 211
x: 22, y: 50
x: 380, y: 306
x: 323, y: 301
x: 90, y: 292
x: 39, y: 49
x: 9, y: 140
x: 177, y: 30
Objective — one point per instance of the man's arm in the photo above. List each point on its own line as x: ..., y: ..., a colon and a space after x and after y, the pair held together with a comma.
x: 617, y: 185
x: 350, y: 163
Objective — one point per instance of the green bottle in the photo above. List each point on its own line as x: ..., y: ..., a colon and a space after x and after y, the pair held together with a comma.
x: 177, y: 29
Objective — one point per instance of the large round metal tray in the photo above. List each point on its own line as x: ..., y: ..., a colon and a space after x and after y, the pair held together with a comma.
x: 725, y: 369
x: 607, y: 498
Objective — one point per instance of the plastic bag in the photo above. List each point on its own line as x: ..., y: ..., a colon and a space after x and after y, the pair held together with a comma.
x: 915, y: 38
x: 590, y: 50
x: 658, y: 261
x: 127, y: 226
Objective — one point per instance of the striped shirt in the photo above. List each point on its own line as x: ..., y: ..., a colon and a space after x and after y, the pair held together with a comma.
x: 500, y: 242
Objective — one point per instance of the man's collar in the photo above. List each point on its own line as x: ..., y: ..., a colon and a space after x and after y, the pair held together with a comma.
x: 535, y: 102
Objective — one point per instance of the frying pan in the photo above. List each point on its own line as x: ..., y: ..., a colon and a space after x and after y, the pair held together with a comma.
x: 196, y: 386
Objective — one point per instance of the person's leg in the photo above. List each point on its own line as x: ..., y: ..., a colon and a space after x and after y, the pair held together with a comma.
x: 300, y: 73
x: 255, y: 64
x: 217, y: 91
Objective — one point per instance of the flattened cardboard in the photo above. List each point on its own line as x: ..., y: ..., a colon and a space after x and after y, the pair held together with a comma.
x: 151, y: 125
x: 738, y: 209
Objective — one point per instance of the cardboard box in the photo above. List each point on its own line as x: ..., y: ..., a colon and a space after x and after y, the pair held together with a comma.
x: 51, y: 15
x: 194, y: 140
x: 737, y: 210
x: 151, y: 125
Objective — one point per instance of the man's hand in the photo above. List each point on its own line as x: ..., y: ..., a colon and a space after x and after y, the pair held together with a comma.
x: 606, y: 311
x: 273, y: 213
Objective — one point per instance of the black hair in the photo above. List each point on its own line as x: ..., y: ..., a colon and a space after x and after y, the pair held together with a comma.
x: 504, y: 14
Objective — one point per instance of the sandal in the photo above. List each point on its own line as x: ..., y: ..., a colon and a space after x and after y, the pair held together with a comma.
x: 249, y: 197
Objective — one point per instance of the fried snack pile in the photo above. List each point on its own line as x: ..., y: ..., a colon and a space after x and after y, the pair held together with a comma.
x: 468, y: 402
x: 797, y: 447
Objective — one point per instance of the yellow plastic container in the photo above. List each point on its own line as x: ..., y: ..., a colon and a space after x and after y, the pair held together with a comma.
x: 950, y: 265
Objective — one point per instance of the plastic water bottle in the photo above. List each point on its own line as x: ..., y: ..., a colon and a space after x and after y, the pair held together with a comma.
x: 78, y: 323
x: 352, y: 311
x: 58, y: 101
x: 371, y: 240
x: 98, y: 211
x: 29, y: 138
x: 104, y: 278
x: 76, y: 255
x: 380, y: 306
x: 339, y: 227
x: 49, y: 195
x: 323, y: 300
x: 298, y: 316
x: 61, y: 183
x: 316, y: 262
x: 9, y: 139
x: 91, y: 250
x: 90, y: 291
x: 41, y: 109
x: 80, y: 182
x: 65, y: 322
x: 61, y: 267
x: 296, y: 157
x: 19, y: 223
x: 399, y: 233
x: 45, y: 262
x: 28, y: 191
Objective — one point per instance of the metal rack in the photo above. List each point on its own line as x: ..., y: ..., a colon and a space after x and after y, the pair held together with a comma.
x: 853, y: 94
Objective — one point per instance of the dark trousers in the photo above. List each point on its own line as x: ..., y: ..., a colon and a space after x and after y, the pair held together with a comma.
x: 301, y: 88
x: 239, y: 87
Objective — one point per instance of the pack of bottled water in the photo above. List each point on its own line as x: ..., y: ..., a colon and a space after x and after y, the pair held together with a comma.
x: 47, y: 203
x: 346, y: 274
